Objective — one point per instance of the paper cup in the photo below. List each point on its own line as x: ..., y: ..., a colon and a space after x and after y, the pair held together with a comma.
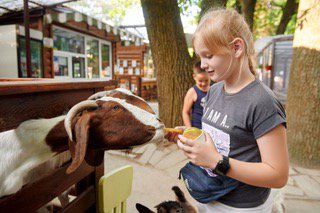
x: 200, y: 138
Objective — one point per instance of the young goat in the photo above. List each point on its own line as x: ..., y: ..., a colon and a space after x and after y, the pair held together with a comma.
x: 179, y: 206
x: 115, y: 120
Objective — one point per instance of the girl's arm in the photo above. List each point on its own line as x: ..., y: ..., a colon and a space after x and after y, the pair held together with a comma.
x: 272, y: 172
x: 187, y: 106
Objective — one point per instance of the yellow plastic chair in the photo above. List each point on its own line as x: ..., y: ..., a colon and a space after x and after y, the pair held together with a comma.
x: 114, y: 189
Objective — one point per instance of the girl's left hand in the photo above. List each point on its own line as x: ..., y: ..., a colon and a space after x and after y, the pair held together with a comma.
x: 202, y: 153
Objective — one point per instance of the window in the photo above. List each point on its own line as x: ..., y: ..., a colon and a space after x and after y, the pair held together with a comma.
x: 80, y: 56
x: 36, y: 58
x: 105, y: 58
x: 60, y: 66
x: 78, y: 67
x: 93, y: 58
x: 68, y: 41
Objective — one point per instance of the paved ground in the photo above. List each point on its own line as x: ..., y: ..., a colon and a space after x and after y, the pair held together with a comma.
x: 156, y: 170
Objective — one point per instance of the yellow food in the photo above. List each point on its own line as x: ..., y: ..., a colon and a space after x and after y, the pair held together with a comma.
x: 173, y: 130
x: 192, y: 133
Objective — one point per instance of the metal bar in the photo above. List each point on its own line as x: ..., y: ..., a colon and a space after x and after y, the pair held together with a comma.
x: 7, y: 9
x: 27, y: 38
x: 132, y: 26
x: 36, y: 3
x: 272, y: 65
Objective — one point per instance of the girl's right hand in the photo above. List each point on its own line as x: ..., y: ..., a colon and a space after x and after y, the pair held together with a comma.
x: 173, y: 136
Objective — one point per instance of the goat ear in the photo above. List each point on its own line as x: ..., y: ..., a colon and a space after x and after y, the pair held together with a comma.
x: 78, y: 147
x: 94, y: 157
x: 143, y: 209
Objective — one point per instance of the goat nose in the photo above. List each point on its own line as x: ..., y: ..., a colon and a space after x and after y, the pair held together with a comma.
x: 159, y: 120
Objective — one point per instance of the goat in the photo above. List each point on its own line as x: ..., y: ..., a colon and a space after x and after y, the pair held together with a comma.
x: 181, y: 205
x: 110, y: 120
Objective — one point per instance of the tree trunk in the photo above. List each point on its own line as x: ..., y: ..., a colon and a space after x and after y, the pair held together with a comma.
x: 170, y: 57
x: 237, y: 6
x: 303, y: 101
x: 208, y: 4
x: 248, y: 11
x: 289, y: 10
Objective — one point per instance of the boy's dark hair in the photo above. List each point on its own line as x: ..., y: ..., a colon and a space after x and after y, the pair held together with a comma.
x: 197, y: 68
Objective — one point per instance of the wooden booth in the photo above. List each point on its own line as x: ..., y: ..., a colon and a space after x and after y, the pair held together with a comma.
x: 134, y: 70
x: 29, y: 99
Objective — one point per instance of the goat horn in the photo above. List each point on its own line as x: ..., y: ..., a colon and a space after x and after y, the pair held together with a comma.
x: 99, y: 95
x: 74, y: 111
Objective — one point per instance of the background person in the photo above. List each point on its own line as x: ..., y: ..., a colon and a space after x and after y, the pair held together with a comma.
x: 193, y: 102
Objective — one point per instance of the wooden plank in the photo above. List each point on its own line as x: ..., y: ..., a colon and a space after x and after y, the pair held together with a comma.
x: 47, y: 99
x: 15, y: 109
x: 33, y: 196
x: 82, y: 202
x: 20, y: 100
x: 19, y: 87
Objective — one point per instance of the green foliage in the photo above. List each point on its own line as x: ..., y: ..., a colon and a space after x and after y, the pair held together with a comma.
x: 291, y: 25
x: 231, y: 3
x: 185, y: 5
x: 267, y: 17
x: 119, y: 7
x: 113, y: 10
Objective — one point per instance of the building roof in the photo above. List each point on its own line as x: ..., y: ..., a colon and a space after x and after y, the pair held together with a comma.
x: 261, y: 43
x: 7, y: 6
x: 65, y: 14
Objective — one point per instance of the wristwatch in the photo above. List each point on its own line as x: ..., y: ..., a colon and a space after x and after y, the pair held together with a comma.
x: 222, y: 166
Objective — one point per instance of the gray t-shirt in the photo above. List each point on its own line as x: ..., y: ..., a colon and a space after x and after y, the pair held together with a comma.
x: 234, y: 122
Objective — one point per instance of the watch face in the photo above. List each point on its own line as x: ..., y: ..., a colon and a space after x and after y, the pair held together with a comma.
x: 222, y: 166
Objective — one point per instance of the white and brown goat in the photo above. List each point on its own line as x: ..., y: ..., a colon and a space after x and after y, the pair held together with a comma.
x: 110, y: 120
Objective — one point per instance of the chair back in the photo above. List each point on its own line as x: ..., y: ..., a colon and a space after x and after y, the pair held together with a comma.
x: 114, y: 189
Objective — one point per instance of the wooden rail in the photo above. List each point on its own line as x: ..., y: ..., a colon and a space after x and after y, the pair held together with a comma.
x: 23, y: 100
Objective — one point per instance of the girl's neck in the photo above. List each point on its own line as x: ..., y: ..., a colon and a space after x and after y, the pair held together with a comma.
x: 238, y: 80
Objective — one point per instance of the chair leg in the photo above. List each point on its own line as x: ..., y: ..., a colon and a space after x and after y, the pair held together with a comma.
x: 124, y: 207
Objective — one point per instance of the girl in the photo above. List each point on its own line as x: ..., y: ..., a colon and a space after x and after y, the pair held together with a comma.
x: 194, y: 99
x: 245, y: 124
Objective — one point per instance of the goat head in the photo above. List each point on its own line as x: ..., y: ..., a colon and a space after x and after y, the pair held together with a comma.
x: 114, y: 120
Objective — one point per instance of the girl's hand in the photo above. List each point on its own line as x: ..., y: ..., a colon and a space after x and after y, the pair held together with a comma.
x: 173, y: 136
x: 201, y: 153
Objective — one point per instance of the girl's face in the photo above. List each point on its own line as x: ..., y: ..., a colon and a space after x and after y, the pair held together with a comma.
x: 202, y: 81
x: 219, y: 67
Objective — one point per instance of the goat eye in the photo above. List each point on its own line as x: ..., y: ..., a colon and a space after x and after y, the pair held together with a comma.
x: 116, y: 107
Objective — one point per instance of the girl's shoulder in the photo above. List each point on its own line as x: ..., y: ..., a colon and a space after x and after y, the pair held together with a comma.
x: 263, y: 93
x: 265, y: 99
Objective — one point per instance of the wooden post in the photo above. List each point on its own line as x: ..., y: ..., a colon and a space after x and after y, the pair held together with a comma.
x: 27, y: 38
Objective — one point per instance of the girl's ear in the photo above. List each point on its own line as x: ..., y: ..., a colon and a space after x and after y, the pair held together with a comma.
x: 238, y: 46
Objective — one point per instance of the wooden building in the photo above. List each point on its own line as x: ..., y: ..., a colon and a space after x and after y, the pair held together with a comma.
x: 64, y: 44
x: 134, y: 70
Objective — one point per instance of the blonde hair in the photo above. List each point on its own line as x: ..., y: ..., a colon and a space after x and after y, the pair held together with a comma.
x: 219, y: 27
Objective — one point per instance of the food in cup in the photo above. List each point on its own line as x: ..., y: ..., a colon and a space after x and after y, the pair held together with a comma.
x: 192, y: 133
